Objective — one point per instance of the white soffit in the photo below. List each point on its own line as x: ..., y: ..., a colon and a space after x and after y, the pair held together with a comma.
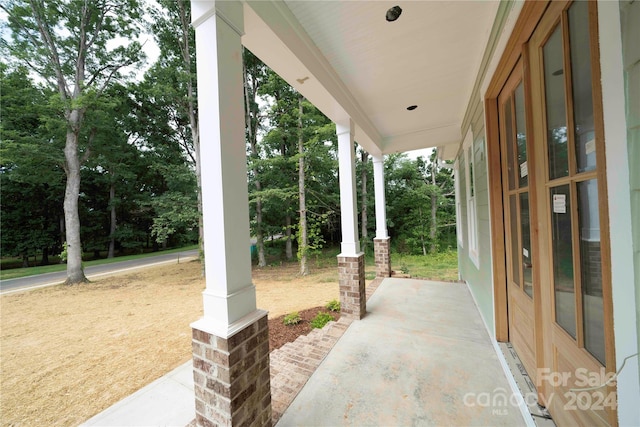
x: 429, y: 57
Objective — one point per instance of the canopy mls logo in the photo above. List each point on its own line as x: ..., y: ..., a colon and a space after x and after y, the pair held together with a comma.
x: 586, y: 391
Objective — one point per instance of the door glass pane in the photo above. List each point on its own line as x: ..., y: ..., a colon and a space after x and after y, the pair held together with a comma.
x: 521, y: 136
x: 515, y: 257
x: 527, y: 279
x: 555, y: 106
x: 591, y: 268
x: 509, y: 142
x: 563, y: 259
x: 581, y: 84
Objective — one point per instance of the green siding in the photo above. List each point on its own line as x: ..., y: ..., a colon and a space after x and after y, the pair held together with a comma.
x: 478, y: 278
x: 630, y: 16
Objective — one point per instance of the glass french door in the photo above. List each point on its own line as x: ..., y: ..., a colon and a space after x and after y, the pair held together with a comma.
x: 515, y: 189
x: 567, y: 127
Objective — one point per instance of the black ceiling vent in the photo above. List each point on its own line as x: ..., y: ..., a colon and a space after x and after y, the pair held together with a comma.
x: 393, y: 13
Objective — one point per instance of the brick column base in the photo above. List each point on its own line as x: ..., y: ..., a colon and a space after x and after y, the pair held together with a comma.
x: 353, y: 300
x: 231, y: 377
x: 382, y: 253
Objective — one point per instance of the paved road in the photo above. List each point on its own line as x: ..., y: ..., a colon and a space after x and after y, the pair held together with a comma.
x: 49, y: 279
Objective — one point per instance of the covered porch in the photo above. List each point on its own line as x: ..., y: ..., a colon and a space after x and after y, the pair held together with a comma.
x: 420, y: 356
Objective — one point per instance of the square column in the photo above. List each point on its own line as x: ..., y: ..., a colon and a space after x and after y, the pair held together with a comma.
x: 382, y: 241
x: 350, y: 261
x: 230, y: 342
x: 382, y: 253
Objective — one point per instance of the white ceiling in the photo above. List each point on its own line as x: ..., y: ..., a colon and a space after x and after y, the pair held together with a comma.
x: 362, y: 67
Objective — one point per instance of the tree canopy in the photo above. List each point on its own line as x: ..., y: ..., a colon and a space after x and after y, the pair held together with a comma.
x: 98, y: 162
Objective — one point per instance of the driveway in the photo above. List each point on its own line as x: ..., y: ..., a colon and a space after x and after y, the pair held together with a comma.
x: 50, y: 279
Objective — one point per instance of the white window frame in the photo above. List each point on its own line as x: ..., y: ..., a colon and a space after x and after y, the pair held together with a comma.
x: 456, y: 180
x: 471, y: 187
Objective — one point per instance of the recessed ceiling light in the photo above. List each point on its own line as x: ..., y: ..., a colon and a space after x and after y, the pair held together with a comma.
x: 412, y: 107
x: 393, y: 13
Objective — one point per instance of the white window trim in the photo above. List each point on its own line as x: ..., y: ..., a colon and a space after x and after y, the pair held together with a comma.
x: 456, y: 180
x: 472, y: 211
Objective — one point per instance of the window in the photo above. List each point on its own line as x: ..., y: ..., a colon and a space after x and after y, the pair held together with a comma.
x: 470, y: 182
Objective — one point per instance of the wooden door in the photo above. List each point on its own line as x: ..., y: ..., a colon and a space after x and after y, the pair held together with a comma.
x: 572, y: 210
x: 516, y: 202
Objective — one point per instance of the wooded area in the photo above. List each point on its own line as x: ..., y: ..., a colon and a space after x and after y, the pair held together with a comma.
x: 97, y: 157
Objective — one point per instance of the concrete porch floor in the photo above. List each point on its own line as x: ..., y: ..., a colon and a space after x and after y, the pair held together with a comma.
x: 421, y: 356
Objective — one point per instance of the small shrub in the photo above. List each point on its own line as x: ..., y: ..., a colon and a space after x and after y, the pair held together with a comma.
x: 292, y: 319
x: 333, y: 305
x: 320, y: 320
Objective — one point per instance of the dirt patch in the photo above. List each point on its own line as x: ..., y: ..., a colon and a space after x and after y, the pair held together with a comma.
x: 70, y: 352
x: 280, y: 334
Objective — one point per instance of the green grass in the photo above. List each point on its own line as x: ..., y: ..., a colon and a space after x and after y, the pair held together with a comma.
x: 439, y: 266
x: 30, y: 271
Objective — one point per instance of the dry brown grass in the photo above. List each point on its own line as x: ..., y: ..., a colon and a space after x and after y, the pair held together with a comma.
x: 68, y: 353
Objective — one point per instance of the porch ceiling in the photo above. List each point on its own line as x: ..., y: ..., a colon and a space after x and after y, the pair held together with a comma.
x: 351, y: 63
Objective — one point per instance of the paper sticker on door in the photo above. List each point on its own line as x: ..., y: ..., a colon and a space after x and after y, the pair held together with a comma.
x: 559, y: 203
x: 524, y: 169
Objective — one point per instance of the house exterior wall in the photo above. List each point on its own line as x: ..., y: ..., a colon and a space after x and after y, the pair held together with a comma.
x: 620, y: 67
x: 478, y: 277
x: 630, y: 16
x: 630, y: 34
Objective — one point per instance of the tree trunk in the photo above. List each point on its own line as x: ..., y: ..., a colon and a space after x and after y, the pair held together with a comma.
x: 303, y: 238
x: 363, y: 178
x: 287, y: 232
x: 185, y: 45
x: 434, y: 207
x: 112, y: 225
x: 75, y: 273
x: 253, y: 141
x: 45, y: 256
x: 25, y: 260
x: 422, y: 242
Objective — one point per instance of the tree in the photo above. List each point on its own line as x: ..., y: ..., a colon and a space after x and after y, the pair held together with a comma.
x: 254, y: 73
x: 69, y: 45
x: 303, y: 239
x: 414, y: 189
x: 174, y: 82
x: 31, y: 202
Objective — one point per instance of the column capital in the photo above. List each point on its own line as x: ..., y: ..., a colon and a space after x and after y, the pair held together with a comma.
x: 345, y: 127
x: 377, y: 159
x: 228, y: 11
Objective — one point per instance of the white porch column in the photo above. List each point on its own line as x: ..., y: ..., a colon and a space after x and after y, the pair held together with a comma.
x: 382, y: 242
x: 230, y: 294
x: 381, y: 204
x: 350, y: 245
x: 351, y: 260
x: 231, y: 341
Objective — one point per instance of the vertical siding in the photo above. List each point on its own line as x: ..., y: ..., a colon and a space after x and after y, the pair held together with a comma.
x: 631, y: 57
x: 478, y: 278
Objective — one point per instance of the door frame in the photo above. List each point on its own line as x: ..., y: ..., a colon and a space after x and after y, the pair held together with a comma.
x: 516, y: 48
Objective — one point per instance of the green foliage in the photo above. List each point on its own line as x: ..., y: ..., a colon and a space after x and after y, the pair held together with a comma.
x: 333, y: 305
x: 321, y: 320
x: 439, y: 266
x: 292, y: 319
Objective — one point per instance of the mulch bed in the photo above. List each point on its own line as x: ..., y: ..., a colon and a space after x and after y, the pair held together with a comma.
x: 280, y: 334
